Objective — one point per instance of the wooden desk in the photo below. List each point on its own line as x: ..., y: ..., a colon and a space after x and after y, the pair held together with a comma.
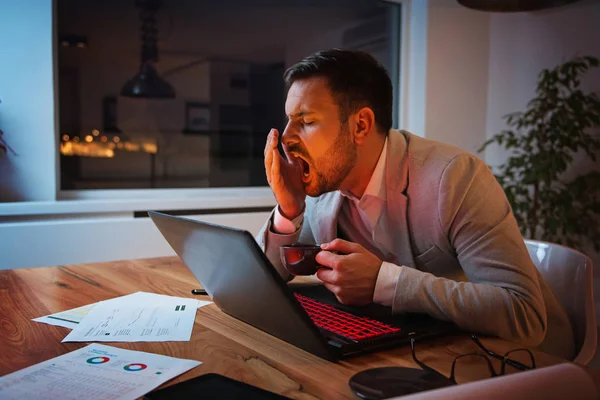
x: 224, y: 344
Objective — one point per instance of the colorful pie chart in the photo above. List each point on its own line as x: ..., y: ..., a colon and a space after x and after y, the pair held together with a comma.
x: 135, y: 367
x: 97, y: 360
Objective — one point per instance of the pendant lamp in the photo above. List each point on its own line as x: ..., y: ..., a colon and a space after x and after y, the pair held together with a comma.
x: 147, y: 83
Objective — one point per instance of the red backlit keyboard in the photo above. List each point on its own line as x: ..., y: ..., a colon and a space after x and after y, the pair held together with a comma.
x: 343, y: 323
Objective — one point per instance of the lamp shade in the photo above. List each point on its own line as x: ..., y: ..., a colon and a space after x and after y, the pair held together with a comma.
x: 147, y: 84
x: 513, y: 5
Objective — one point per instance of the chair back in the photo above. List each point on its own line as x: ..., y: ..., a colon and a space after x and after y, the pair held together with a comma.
x: 569, y: 274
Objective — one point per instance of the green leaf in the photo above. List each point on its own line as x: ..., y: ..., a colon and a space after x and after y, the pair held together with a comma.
x: 559, y: 122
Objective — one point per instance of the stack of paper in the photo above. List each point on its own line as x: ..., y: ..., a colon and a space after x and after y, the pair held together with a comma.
x: 138, y: 317
x: 94, y: 372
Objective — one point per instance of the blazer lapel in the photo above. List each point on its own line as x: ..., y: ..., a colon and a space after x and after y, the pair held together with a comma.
x: 327, y: 211
x: 396, y: 181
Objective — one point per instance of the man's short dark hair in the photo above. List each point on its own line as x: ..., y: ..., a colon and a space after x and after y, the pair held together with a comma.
x: 355, y: 79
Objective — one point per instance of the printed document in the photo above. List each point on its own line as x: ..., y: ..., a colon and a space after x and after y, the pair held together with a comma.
x: 68, y: 319
x: 95, y: 372
x: 147, y: 318
x: 72, y: 318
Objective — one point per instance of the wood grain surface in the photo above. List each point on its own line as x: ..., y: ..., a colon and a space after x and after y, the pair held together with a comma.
x: 224, y: 344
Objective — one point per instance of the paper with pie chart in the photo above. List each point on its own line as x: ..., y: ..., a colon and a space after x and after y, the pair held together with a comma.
x: 96, y: 372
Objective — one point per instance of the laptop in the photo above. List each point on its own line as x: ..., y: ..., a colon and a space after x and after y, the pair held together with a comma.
x: 243, y: 283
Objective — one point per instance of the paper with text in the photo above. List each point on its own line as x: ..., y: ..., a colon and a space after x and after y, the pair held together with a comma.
x: 72, y: 318
x: 68, y: 319
x: 147, y: 319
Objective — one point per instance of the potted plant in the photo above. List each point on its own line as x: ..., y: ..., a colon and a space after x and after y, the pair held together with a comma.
x: 560, y: 123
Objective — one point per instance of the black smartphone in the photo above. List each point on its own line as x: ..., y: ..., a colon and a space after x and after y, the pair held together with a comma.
x: 212, y: 386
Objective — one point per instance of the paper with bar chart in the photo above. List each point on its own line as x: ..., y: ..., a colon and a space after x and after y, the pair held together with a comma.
x: 95, y: 372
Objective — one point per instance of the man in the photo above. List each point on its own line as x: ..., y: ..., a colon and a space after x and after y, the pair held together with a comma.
x: 403, y: 221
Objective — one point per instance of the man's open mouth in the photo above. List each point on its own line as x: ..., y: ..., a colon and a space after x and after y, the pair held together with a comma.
x: 305, y: 168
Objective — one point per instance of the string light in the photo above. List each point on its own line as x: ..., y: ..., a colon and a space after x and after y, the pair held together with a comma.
x: 104, y: 148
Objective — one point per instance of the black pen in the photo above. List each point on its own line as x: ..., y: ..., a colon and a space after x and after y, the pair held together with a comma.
x: 199, y: 291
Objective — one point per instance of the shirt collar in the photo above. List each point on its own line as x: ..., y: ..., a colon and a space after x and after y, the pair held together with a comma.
x: 376, y: 185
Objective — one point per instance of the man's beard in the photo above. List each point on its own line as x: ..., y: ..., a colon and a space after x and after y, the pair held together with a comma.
x: 331, y: 169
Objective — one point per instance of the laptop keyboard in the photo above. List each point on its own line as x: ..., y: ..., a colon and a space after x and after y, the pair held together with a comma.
x: 343, y: 323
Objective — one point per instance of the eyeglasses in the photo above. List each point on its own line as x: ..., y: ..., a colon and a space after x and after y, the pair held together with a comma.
x: 386, y: 382
x: 505, y: 359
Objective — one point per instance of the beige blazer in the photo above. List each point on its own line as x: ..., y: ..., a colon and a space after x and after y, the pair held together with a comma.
x: 461, y: 255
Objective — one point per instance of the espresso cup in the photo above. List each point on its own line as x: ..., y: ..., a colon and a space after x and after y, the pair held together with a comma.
x: 299, y: 259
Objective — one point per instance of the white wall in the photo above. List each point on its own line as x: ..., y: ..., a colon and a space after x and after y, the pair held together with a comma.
x: 523, y: 44
x: 27, y: 101
x: 457, y: 74
x: 97, y: 238
x: 413, y: 66
x: 444, y: 72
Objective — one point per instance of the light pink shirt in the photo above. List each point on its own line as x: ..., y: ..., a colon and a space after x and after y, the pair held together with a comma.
x: 360, y: 220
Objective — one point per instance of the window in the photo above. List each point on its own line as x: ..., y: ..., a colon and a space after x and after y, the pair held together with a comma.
x: 222, y: 64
